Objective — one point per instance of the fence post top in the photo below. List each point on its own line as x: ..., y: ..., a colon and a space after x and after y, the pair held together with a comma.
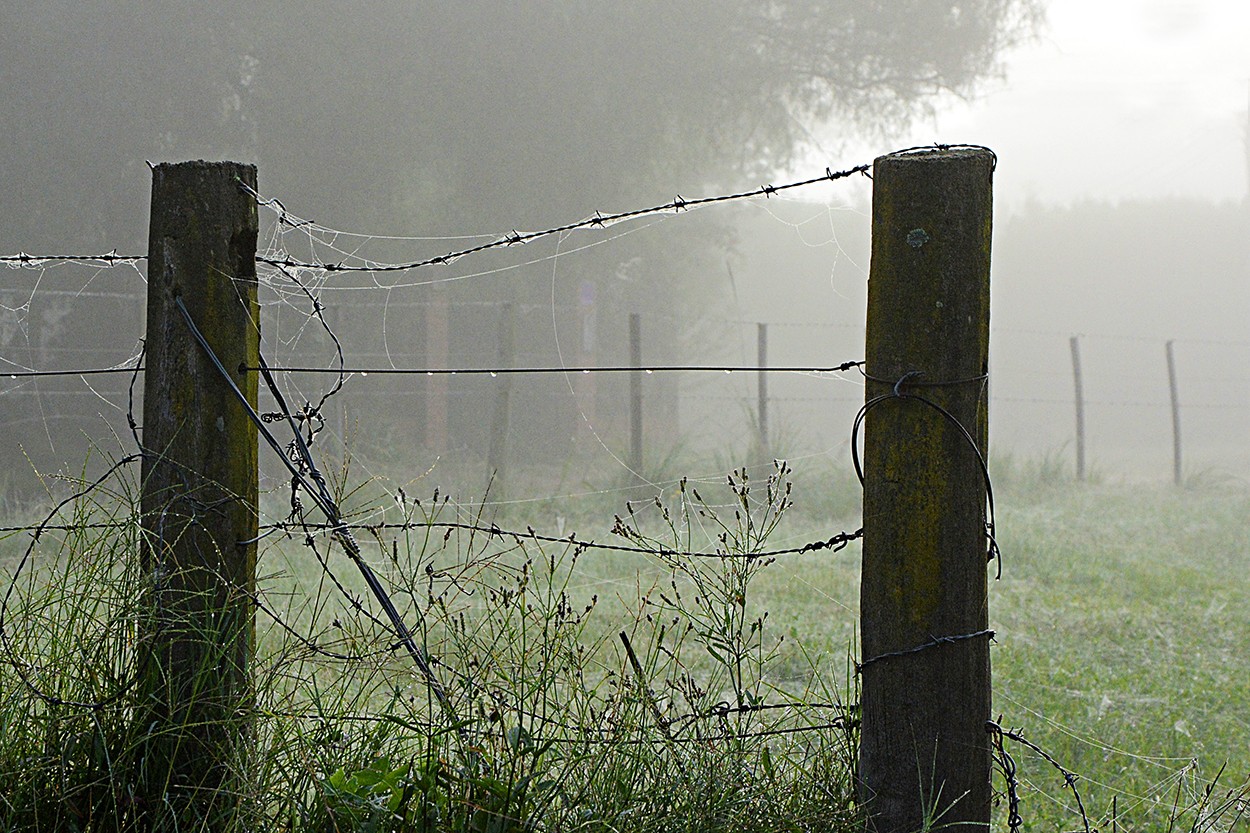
x: 200, y: 163
x: 199, y: 170
x: 938, y: 152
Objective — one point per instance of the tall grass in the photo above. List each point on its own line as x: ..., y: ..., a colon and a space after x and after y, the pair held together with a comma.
x: 617, y: 691
x: 631, y: 694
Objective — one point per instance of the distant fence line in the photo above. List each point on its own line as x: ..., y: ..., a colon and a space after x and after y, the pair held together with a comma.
x: 758, y: 398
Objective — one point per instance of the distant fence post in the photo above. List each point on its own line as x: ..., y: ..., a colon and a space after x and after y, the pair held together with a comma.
x: 586, y: 390
x: 1177, y: 474
x: 925, y: 672
x: 199, y: 493
x: 437, y: 354
x: 635, y: 397
x: 761, y: 353
x: 1079, y: 397
x: 496, y: 457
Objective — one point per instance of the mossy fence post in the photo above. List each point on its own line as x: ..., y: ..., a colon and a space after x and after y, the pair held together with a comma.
x: 199, y: 494
x: 925, y: 754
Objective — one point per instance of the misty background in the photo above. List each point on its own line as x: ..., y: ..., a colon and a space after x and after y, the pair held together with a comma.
x: 404, y: 132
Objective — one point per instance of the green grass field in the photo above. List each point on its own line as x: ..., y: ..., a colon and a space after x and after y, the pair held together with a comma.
x: 1124, y: 624
x: 1120, y: 616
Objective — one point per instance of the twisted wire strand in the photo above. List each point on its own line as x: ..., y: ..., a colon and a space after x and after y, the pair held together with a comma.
x: 467, y: 371
x: 834, y: 543
x: 597, y: 220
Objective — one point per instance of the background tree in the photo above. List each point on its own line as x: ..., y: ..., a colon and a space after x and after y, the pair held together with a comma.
x: 477, y: 112
x: 476, y: 116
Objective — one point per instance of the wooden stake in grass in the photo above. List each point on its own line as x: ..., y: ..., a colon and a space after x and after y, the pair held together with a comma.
x: 199, y: 492
x: 1174, y: 398
x: 1074, y: 344
x: 635, y: 399
x: 761, y: 408
x: 925, y: 754
x: 497, y: 455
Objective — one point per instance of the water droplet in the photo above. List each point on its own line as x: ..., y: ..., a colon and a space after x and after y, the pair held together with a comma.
x: 494, y: 375
x: 648, y: 371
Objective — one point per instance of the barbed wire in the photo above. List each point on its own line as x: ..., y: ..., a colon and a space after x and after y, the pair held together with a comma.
x: 503, y: 371
x: 936, y: 642
x: 598, y: 220
x: 834, y: 543
x: 471, y: 371
x: 1070, y: 778
x: 23, y: 260
x: 41, y: 528
x: 1007, y: 764
x: 574, y: 735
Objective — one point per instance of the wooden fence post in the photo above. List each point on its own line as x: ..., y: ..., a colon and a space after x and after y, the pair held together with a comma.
x: 496, y: 457
x: 198, y: 494
x: 1079, y: 395
x: 761, y: 353
x: 635, y: 398
x: 1177, y: 473
x: 437, y: 354
x: 586, y: 386
x: 925, y: 753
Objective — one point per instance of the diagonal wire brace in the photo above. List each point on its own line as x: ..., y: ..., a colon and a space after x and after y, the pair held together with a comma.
x: 316, y: 488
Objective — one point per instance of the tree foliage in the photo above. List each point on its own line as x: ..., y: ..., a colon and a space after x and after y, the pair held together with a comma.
x: 474, y: 116
x: 475, y: 112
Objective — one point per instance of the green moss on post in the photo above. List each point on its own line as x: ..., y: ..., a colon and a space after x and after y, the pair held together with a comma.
x: 199, y: 494
x: 925, y: 754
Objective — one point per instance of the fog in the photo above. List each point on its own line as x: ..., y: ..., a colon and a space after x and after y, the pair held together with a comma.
x: 1124, y: 279
x: 404, y: 133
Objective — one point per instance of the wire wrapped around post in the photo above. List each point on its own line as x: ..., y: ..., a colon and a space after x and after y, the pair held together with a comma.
x: 924, y: 754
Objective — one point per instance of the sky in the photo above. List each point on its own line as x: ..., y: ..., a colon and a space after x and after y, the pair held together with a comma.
x: 1114, y: 100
